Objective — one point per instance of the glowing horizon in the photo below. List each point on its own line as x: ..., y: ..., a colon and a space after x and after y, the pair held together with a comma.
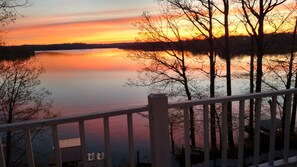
x: 104, y: 22
x: 76, y: 21
x: 92, y: 31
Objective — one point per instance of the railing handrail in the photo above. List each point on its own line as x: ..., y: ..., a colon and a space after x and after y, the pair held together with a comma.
x: 70, y: 119
x: 117, y: 112
x: 159, y: 128
x: 187, y: 103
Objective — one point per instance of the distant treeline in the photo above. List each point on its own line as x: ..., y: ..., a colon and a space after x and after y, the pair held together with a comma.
x: 15, y: 52
x: 240, y: 45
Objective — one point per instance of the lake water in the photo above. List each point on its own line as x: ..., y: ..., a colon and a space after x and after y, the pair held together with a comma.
x: 94, y: 80
x: 87, y: 81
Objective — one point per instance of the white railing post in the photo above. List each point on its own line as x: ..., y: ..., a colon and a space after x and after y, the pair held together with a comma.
x: 288, y: 103
x: 57, y: 150
x: 107, y: 142
x: 159, y: 130
x: 82, y: 137
x: 29, y: 148
x: 206, y: 134
x: 272, y: 131
x: 187, y: 137
x: 224, y: 134
x: 2, y: 158
x: 257, y: 131
x: 241, y: 134
x: 131, y: 141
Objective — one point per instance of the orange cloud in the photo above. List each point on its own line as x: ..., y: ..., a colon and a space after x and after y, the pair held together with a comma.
x: 94, y: 31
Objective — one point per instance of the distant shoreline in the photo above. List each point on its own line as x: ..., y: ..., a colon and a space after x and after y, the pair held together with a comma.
x: 240, y: 45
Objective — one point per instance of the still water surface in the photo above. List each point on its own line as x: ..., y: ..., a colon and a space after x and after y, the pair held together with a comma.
x: 86, y: 81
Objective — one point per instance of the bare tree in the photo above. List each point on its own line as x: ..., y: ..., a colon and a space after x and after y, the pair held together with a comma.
x: 172, y: 69
x: 227, y: 56
x: 225, y: 47
x: 8, y: 12
x: 255, y: 13
x: 200, y: 15
x: 21, y: 98
x: 283, y: 68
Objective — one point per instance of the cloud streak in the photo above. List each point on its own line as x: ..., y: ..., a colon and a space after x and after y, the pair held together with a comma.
x: 89, y: 31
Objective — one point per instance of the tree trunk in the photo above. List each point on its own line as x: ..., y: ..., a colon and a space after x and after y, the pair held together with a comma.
x: 213, y: 137
x: 259, y: 63
x: 172, y: 139
x: 260, y: 47
x: 8, y: 138
x: 293, y: 119
x: 192, y: 118
x: 251, y: 113
x: 228, y: 72
x: 192, y: 127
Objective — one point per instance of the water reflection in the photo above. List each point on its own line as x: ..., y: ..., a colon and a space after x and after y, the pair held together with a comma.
x: 90, y: 80
x: 85, y: 81
x: 87, y: 60
x: 119, y: 137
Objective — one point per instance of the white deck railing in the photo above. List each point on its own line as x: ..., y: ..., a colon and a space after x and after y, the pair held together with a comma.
x: 158, y: 107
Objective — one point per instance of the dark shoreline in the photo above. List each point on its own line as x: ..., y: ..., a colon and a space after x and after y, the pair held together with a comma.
x: 240, y: 45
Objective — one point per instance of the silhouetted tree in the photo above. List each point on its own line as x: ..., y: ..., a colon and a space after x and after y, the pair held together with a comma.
x: 8, y: 12
x: 21, y: 98
x: 200, y: 15
x: 282, y: 70
x: 170, y: 70
x: 227, y: 55
x: 255, y: 16
x: 255, y: 12
x: 225, y: 46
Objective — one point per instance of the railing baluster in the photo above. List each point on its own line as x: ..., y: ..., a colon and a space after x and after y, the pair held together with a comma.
x: 131, y: 141
x: 159, y: 130
x: 257, y: 131
x: 241, y: 133
x: 206, y: 134
x: 29, y: 149
x: 287, y: 113
x: 2, y: 159
x: 187, y: 138
x: 107, y: 142
x: 57, y: 150
x: 83, y: 142
x: 272, y: 131
x: 224, y: 134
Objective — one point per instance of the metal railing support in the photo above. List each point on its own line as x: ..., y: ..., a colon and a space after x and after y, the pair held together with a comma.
x: 159, y: 130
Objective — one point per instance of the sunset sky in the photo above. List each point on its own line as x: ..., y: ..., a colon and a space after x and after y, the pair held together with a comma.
x: 67, y: 21
x: 87, y: 21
